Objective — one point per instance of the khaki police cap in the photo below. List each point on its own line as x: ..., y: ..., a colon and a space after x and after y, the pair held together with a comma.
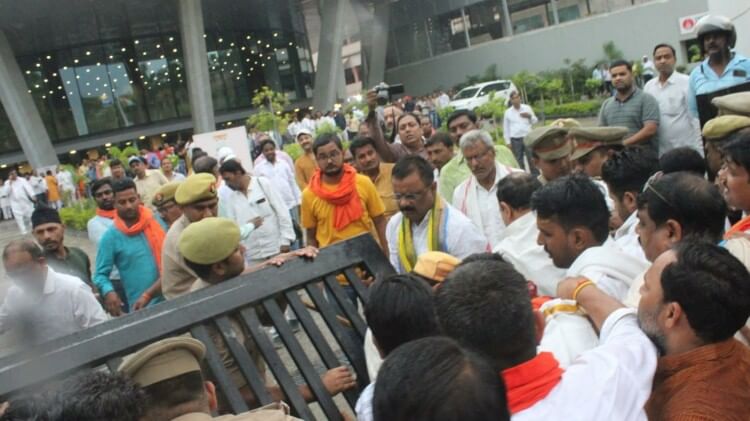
x: 720, y: 127
x: 736, y: 104
x: 196, y: 188
x: 566, y: 123
x: 209, y: 240
x: 165, y: 193
x: 589, y: 138
x: 164, y: 360
x: 549, y: 142
x: 435, y: 265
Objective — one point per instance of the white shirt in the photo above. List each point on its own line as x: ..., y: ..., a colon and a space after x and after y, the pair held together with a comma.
x: 66, y: 305
x: 4, y: 195
x: 462, y: 237
x: 364, y: 403
x: 282, y: 180
x: 627, y: 238
x: 38, y: 184
x: 175, y: 176
x: 20, y: 196
x: 443, y: 100
x: 677, y: 127
x: 65, y: 179
x: 261, y: 200
x: 610, y: 382
x: 480, y: 205
x: 514, y: 125
x: 519, y: 247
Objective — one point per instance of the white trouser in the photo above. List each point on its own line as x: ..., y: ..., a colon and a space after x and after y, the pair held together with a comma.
x: 7, y: 213
x: 23, y: 221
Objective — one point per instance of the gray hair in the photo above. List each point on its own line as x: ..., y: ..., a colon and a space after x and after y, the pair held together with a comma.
x: 23, y: 245
x: 473, y: 137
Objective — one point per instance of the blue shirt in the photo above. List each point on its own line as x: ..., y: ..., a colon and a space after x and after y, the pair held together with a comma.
x: 704, y: 80
x: 132, y: 256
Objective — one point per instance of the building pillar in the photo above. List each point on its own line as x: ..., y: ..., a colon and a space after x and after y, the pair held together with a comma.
x: 379, y: 46
x: 466, y: 27
x: 507, y: 23
x: 22, y: 112
x: 329, y: 67
x: 555, y: 16
x: 196, y: 65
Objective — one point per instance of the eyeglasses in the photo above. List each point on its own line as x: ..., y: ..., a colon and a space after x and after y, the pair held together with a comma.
x: 650, y: 187
x: 410, y: 197
x: 330, y: 156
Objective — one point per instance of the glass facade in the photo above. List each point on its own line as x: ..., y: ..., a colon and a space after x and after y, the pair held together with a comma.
x: 421, y: 29
x: 111, y: 65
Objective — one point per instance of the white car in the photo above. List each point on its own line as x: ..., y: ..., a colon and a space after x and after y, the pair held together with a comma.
x: 475, y: 95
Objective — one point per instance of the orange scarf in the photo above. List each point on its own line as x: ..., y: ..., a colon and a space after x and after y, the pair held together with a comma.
x: 150, y: 227
x: 530, y: 382
x: 345, y: 198
x: 109, y: 214
x: 741, y: 226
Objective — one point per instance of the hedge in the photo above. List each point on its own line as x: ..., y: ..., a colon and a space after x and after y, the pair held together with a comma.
x: 78, y: 215
x: 572, y: 109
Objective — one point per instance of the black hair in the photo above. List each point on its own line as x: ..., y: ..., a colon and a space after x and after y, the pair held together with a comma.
x: 407, y: 114
x: 325, y: 139
x: 435, y: 379
x: 711, y: 286
x: 100, y: 395
x: 683, y: 159
x: 45, y: 406
x: 483, y: 257
x: 440, y: 137
x: 115, y: 163
x: 99, y: 183
x: 265, y: 142
x: 485, y: 306
x: 471, y: 115
x: 197, y: 153
x: 202, y: 270
x: 574, y: 201
x: 690, y: 200
x: 123, y: 184
x: 618, y: 63
x: 409, y: 164
x: 662, y: 45
x: 516, y: 189
x: 360, y: 142
x: 629, y: 169
x: 737, y: 149
x: 232, y: 166
x: 49, y: 172
x: 400, y: 309
x: 165, y: 395
x: 205, y: 164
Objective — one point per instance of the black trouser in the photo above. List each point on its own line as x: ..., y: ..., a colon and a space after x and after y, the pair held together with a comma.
x: 519, y: 151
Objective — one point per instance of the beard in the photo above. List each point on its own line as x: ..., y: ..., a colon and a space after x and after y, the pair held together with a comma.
x: 334, y: 172
x: 647, y: 323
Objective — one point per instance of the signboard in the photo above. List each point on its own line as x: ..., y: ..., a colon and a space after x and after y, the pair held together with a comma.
x: 234, y: 138
x: 687, y: 23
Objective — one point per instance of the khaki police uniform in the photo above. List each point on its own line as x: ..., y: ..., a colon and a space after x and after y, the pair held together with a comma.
x: 587, y: 139
x: 176, y: 276
x: 549, y: 143
x: 165, y: 194
x: 733, y: 104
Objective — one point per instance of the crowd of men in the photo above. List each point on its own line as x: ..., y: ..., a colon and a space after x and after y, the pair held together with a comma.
x: 582, y: 273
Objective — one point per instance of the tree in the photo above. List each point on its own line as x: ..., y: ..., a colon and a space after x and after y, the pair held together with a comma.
x: 611, y: 52
x: 269, y: 105
x: 525, y: 82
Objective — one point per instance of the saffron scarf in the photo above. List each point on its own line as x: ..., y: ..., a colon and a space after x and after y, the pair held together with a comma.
x: 109, y: 214
x: 741, y: 226
x: 150, y: 227
x: 530, y: 382
x: 348, y: 207
x: 406, y: 252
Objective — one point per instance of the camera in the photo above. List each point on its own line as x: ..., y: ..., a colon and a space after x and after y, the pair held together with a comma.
x: 386, y: 92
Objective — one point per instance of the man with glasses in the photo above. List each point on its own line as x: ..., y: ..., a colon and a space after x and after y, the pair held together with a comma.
x: 476, y: 197
x: 42, y: 303
x: 426, y: 221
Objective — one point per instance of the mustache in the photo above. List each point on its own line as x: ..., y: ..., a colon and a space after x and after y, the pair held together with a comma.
x: 406, y: 209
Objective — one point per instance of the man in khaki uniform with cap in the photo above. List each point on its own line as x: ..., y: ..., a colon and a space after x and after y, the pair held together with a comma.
x: 212, y: 249
x: 593, y: 146
x: 717, y: 132
x: 733, y: 104
x: 164, y: 203
x: 550, y: 150
x: 169, y: 371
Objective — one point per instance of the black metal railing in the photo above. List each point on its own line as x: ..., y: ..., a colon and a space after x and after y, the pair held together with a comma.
x: 332, y: 331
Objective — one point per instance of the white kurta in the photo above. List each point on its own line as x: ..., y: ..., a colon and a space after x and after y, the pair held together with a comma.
x: 461, y: 237
x: 282, y: 179
x: 609, y: 267
x: 626, y: 237
x: 610, y: 382
x: 481, y: 206
x: 519, y: 247
x: 261, y: 200
x: 66, y: 305
x: 65, y: 179
x: 21, y: 193
x: 568, y: 333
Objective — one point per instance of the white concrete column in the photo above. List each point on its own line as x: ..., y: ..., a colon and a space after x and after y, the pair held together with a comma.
x: 555, y: 16
x: 507, y: 23
x: 196, y: 65
x: 22, y: 112
x: 379, y: 47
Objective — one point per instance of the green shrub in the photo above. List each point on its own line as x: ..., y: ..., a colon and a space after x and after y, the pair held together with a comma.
x: 78, y: 215
x: 294, y: 150
x: 572, y: 109
x: 325, y: 128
